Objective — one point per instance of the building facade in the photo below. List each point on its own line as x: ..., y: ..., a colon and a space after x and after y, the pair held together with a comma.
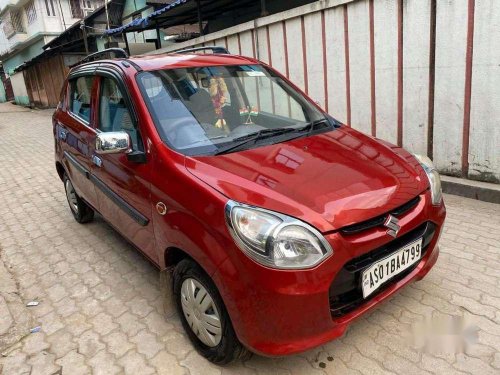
x: 44, y: 74
x: 26, y: 26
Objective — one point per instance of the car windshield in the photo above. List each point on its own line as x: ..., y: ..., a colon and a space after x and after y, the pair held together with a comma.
x: 219, y: 109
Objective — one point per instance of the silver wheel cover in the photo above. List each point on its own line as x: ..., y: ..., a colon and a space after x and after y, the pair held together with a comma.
x: 200, y: 312
x: 71, y: 196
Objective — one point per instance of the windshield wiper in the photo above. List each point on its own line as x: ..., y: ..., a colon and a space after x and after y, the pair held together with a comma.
x: 266, y: 133
x: 312, y: 125
x: 253, y: 137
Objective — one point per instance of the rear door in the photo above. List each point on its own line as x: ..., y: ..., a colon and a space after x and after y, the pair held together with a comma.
x: 76, y: 133
x: 123, y: 187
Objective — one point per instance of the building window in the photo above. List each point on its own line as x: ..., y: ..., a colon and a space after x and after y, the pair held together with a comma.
x: 30, y: 12
x: 7, y: 25
x: 76, y: 9
x: 17, y: 21
x: 49, y: 5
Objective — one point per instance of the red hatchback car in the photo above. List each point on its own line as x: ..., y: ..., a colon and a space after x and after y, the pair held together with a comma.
x: 280, y: 224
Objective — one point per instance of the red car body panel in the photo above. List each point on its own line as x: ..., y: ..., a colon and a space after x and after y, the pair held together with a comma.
x: 152, y: 62
x: 287, y: 312
x: 330, y: 181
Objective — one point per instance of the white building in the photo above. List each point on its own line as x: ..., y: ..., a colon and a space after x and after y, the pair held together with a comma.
x: 27, y: 25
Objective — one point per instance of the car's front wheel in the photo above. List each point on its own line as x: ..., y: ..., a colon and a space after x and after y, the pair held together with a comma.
x: 204, y: 315
x: 81, y: 211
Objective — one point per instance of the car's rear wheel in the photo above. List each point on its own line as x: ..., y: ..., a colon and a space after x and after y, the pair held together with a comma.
x: 81, y: 211
x: 204, y: 316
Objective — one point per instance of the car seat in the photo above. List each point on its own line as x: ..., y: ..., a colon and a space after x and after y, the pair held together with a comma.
x: 201, y: 106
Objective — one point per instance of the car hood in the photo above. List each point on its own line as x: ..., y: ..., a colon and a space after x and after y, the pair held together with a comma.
x: 329, y: 180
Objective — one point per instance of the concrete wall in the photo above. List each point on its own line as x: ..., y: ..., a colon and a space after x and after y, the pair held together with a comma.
x: 3, y: 96
x: 484, y: 150
x: 16, y: 59
x: 424, y: 74
x: 19, y: 88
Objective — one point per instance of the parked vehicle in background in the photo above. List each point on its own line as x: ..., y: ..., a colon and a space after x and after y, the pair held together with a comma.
x: 281, y: 224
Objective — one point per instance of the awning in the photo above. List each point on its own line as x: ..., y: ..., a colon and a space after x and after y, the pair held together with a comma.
x: 182, y: 12
x: 144, y: 23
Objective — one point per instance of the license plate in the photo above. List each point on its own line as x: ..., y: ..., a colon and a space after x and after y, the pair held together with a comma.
x: 383, y: 270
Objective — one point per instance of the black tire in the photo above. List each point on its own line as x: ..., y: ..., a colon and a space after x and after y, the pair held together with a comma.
x: 81, y: 211
x: 229, y: 348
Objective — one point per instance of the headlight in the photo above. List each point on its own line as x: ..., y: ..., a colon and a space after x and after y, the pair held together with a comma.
x: 275, y: 240
x: 433, y: 176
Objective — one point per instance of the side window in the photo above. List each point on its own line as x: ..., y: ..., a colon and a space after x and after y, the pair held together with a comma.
x: 114, y: 115
x: 81, y: 89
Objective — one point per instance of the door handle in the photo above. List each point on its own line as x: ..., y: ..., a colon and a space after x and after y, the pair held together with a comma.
x: 97, y: 160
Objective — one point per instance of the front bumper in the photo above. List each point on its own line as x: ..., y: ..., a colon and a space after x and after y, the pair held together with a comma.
x: 280, y: 312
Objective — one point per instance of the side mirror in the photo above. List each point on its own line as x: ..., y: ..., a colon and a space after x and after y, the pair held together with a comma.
x: 113, y: 143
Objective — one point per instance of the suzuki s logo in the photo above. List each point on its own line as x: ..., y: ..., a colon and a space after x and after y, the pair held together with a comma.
x: 393, y: 224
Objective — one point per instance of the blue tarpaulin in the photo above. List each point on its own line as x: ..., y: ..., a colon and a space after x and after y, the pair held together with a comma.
x: 143, y: 23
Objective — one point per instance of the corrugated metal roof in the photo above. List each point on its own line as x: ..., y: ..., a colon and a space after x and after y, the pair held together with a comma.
x: 182, y: 12
x: 143, y: 23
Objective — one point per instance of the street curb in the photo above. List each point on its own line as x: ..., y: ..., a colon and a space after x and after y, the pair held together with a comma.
x: 482, y: 191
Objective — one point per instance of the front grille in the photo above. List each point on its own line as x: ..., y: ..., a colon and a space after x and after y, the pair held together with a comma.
x: 379, y: 220
x: 345, y: 291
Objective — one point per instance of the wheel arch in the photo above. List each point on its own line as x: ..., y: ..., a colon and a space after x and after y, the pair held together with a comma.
x: 60, y: 170
x: 173, y: 255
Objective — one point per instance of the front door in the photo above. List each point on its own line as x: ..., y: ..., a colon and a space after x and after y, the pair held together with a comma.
x: 122, y: 186
x: 76, y: 134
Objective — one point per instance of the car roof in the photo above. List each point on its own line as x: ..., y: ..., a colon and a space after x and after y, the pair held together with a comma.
x: 181, y: 60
